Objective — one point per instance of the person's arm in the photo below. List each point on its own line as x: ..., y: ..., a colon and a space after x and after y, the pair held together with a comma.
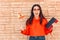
x: 26, y: 31
x: 48, y: 29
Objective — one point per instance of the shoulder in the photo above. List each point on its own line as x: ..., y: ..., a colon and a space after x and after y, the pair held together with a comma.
x: 44, y: 21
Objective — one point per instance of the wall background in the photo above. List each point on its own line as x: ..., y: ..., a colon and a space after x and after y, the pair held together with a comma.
x: 10, y: 23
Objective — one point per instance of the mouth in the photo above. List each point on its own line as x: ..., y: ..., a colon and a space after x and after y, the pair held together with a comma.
x: 36, y: 13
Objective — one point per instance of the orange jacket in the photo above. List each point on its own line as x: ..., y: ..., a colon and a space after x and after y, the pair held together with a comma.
x: 36, y: 29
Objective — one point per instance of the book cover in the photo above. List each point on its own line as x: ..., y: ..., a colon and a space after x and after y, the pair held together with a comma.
x: 52, y: 20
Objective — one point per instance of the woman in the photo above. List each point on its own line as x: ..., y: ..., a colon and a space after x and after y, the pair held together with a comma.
x: 35, y: 25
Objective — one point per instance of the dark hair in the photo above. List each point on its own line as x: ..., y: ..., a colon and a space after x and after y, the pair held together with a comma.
x: 29, y: 21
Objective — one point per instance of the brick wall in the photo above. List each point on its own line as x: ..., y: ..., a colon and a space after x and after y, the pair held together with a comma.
x: 10, y: 23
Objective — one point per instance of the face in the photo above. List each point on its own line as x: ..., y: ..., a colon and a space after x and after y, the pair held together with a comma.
x: 36, y: 11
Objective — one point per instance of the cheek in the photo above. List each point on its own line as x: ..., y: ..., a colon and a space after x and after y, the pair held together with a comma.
x: 38, y: 11
x: 34, y: 11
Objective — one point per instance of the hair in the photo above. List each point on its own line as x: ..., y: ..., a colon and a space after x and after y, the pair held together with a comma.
x: 29, y: 20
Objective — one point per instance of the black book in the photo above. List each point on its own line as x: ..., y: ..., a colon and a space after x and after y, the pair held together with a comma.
x: 50, y: 22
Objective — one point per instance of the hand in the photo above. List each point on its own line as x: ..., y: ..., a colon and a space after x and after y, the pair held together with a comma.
x: 22, y: 28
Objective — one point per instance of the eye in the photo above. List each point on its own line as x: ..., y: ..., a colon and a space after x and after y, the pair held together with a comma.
x: 36, y: 9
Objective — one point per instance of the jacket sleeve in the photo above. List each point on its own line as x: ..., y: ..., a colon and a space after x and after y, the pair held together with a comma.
x: 48, y: 30
x: 26, y: 31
